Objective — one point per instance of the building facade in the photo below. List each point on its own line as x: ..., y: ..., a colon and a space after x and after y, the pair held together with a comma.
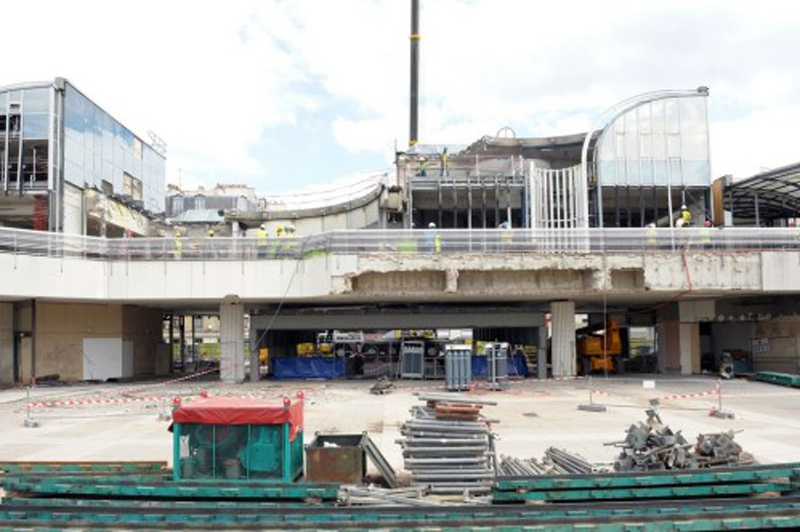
x: 68, y: 166
x: 641, y: 162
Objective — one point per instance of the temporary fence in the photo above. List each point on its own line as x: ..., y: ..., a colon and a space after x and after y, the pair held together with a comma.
x: 402, y: 242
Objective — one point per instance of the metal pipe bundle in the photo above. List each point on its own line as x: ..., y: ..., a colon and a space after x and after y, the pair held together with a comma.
x: 447, y: 456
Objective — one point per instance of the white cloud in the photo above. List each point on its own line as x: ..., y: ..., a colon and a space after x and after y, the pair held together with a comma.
x: 211, y: 77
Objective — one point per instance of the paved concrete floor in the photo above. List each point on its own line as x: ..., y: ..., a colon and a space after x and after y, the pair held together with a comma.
x: 533, y: 416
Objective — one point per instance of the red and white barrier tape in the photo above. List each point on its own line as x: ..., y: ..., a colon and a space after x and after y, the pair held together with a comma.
x: 173, y: 381
x: 82, y: 402
x: 714, y: 392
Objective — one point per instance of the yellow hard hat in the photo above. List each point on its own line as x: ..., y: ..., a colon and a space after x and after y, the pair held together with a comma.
x: 280, y: 228
x: 210, y: 232
x: 177, y: 233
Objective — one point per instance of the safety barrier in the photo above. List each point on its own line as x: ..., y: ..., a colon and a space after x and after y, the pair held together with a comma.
x: 425, y: 242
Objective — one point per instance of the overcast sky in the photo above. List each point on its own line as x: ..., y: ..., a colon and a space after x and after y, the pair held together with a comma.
x: 283, y: 95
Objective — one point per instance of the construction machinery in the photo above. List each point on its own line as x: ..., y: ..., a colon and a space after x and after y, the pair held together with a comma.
x: 599, y: 347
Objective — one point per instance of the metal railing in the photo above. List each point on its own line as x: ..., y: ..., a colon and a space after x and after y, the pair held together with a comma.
x: 431, y: 242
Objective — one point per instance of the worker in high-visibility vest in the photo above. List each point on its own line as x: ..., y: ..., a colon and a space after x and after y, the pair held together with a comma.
x: 686, y: 217
x: 706, y: 235
x: 177, y: 246
x: 261, y: 241
x: 651, y: 236
x: 289, y: 243
x: 433, y: 241
x: 211, y: 252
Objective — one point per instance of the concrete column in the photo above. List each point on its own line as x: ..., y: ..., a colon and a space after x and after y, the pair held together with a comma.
x: 690, y: 348
x: 231, y: 338
x: 6, y: 343
x: 563, y: 320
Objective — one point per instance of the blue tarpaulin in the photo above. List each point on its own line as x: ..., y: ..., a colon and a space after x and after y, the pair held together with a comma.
x: 307, y: 368
x: 479, y: 366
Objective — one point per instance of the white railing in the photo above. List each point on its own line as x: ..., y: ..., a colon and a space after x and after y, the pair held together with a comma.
x: 402, y: 243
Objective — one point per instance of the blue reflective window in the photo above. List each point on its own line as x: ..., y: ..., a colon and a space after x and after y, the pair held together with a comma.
x: 36, y: 100
x: 35, y: 126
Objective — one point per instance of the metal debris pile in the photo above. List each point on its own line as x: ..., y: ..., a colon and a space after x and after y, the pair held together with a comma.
x: 555, y: 462
x: 713, y: 450
x: 448, y: 446
x: 653, y: 446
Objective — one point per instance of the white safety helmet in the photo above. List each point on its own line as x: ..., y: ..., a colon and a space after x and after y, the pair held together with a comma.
x: 432, y: 225
x: 263, y: 226
x: 683, y: 207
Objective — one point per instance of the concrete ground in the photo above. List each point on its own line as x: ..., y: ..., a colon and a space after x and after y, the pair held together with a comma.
x: 533, y: 415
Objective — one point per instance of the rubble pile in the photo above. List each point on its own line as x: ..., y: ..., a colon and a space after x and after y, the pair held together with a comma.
x: 654, y: 446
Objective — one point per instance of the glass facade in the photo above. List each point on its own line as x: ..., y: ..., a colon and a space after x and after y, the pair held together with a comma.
x: 25, y: 123
x: 99, y: 149
x: 658, y: 143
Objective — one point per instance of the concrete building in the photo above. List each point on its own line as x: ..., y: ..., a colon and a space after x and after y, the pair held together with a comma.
x: 68, y: 166
x: 575, y: 211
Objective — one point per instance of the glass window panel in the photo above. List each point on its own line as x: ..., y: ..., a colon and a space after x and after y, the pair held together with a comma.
x: 646, y: 146
x: 657, y: 114
x: 632, y: 171
x: 3, y: 99
x: 660, y: 171
x: 619, y: 145
x: 36, y: 126
x: 643, y: 114
x: 647, y: 171
x: 675, y: 173
x: 696, y: 173
x: 606, y: 147
x: 659, y: 146
x: 36, y: 100
x: 73, y: 173
x: 673, y: 145
x: 74, y: 121
x: 631, y: 145
x: 671, y: 117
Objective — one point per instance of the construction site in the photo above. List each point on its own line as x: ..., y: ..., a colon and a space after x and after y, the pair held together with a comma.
x: 581, y: 331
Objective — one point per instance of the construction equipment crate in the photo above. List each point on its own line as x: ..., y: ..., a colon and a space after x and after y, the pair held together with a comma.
x: 238, y: 438
x: 336, y: 458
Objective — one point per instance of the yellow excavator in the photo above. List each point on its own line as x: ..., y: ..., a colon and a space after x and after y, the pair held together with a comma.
x: 599, y: 348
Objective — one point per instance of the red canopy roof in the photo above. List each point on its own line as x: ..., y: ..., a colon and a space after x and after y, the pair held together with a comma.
x: 240, y: 411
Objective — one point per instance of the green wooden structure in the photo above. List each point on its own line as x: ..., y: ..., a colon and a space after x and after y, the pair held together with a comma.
x: 675, y: 484
x: 784, y: 379
x: 238, y: 439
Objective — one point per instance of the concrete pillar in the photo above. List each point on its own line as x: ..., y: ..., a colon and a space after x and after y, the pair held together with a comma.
x: 563, y: 320
x: 690, y: 348
x: 231, y: 338
x: 6, y: 343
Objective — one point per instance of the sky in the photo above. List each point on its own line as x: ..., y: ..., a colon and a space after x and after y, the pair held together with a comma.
x: 286, y: 95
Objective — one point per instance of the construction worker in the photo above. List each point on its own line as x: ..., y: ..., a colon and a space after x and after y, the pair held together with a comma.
x: 433, y: 242
x: 423, y: 168
x: 706, y: 235
x: 650, y: 236
x: 289, y: 243
x: 261, y: 241
x: 177, y: 246
x: 445, y: 160
x: 686, y: 217
x: 211, y: 252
